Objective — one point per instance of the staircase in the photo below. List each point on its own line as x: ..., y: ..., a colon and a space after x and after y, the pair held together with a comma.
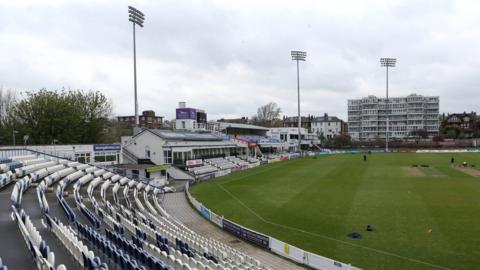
x: 178, y: 174
x: 129, y: 155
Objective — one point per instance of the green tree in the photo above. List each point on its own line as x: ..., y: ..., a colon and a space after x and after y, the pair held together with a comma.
x: 63, y: 116
x: 452, y: 131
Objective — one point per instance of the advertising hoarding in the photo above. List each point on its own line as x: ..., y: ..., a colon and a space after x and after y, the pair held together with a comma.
x: 186, y: 113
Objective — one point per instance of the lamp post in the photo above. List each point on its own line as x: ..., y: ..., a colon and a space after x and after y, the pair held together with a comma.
x: 299, y: 56
x: 137, y: 18
x: 387, y: 62
x: 13, y: 134
x: 54, y: 141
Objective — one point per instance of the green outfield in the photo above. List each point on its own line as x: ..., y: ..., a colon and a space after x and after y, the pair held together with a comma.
x: 423, y: 217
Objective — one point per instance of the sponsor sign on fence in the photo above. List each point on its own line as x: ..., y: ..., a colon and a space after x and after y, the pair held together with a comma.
x: 274, y: 160
x: 206, y: 176
x: 205, y: 212
x: 307, y: 258
x: 194, y: 162
x: 246, y: 234
x: 235, y: 169
x: 218, y: 220
x: 474, y: 150
x: 222, y: 173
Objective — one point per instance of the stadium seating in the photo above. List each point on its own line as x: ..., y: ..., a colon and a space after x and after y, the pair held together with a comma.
x: 250, y: 159
x: 203, y: 169
x: 237, y: 161
x: 221, y: 163
x: 2, y: 266
x: 130, y: 229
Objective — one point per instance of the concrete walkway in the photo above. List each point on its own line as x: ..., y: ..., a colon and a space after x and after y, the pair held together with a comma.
x: 177, y: 205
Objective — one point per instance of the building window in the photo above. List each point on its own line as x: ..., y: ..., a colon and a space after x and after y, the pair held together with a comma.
x: 83, y: 157
x: 147, y: 152
x: 105, y: 156
x: 167, y: 156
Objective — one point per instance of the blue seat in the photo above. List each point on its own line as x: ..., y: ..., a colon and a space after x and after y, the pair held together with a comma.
x: 123, y: 261
x: 96, y: 262
x: 133, y: 264
x: 116, y: 256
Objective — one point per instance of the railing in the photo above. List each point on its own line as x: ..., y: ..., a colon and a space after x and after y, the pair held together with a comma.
x: 20, y: 150
x: 130, y: 155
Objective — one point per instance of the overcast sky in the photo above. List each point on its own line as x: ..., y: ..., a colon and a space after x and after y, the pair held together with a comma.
x: 230, y: 57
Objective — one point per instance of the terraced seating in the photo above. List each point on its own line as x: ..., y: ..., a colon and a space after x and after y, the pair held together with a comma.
x: 4, y: 160
x: 250, y: 159
x: 203, y: 169
x: 39, y: 169
x: 12, y: 168
x: 158, y: 240
x: 40, y: 251
x: 221, y: 163
x: 10, y: 164
x: 238, y: 161
x: 79, y: 251
x: 158, y: 227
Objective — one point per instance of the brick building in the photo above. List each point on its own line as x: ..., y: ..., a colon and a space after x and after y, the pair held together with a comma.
x: 146, y: 120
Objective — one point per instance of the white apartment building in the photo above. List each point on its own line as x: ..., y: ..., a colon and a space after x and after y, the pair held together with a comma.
x: 289, y: 136
x: 367, y: 117
x: 328, y: 126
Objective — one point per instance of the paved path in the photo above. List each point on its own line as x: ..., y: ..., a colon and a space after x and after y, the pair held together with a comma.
x: 177, y: 205
x: 13, y: 250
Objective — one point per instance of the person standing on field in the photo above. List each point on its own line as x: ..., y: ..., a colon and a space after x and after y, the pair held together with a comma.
x: 364, y: 157
x: 452, y: 161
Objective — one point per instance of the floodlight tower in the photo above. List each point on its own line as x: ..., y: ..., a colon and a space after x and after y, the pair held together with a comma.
x: 387, y: 62
x: 299, y: 56
x: 137, y: 18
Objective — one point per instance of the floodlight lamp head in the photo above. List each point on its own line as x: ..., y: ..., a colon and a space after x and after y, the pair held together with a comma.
x: 135, y: 16
x: 299, y: 55
x: 388, y: 62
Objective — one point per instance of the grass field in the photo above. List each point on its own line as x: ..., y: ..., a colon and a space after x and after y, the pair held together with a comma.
x: 424, y: 218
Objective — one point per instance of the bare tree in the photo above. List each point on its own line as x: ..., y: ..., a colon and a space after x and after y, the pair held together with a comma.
x: 7, y: 106
x: 7, y: 102
x: 267, y: 115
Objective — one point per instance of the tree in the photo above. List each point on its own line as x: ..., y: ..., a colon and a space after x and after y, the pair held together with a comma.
x: 452, y: 131
x: 438, y: 138
x: 115, y: 130
x: 7, y: 125
x: 422, y: 133
x: 63, y: 116
x: 268, y: 115
x: 342, y: 140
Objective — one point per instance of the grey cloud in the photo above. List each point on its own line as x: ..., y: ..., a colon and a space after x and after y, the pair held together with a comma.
x: 230, y: 58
